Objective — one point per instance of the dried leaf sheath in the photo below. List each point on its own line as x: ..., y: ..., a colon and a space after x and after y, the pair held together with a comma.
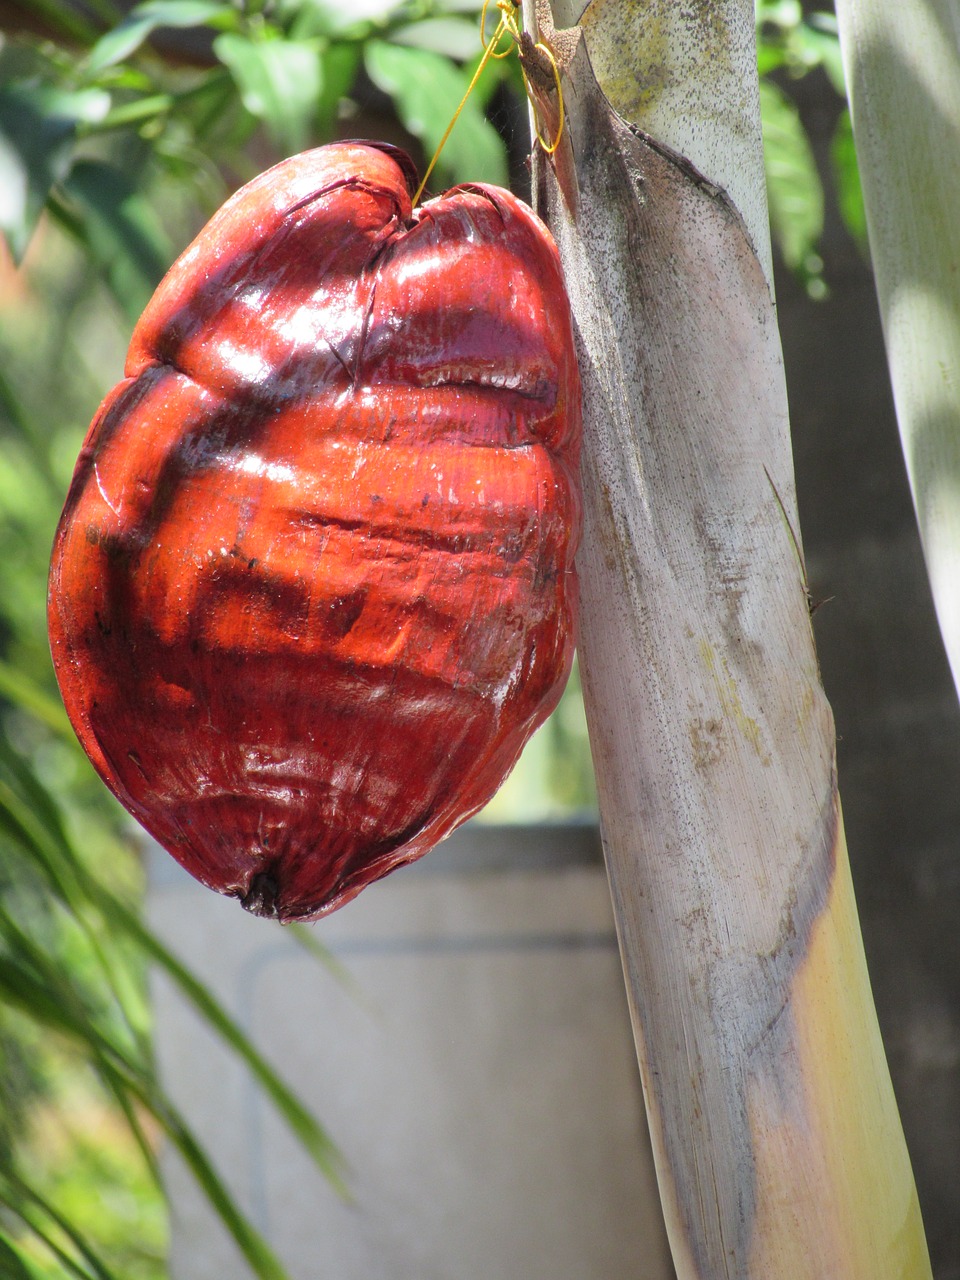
x: 778, y: 1146
x: 313, y: 586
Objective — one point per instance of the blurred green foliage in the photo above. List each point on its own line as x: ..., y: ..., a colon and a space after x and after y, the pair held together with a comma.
x: 121, y: 129
x: 790, y: 45
x: 90, y: 123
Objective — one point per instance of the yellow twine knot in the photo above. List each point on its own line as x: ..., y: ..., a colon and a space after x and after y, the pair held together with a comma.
x: 507, y: 26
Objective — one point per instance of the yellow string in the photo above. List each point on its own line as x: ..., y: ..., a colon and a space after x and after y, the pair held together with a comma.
x: 549, y: 147
x: 489, y: 52
x: 507, y: 23
x: 506, y: 26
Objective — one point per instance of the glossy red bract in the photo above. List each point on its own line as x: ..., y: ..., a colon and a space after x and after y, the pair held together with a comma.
x: 313, y: 587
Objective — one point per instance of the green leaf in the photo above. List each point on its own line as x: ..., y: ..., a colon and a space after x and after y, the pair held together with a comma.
x: 63, y: 18
x: 77, y: 888
x: 253, y: 1246
x: 811, y: 47
x: 142, y: 21
x: 24, y: 1194
x: 779, y: 13
x: 38, y: 127
x: 495, y: 73
x: 34, y: 824
x: 427, y: 90
x: 453, y: 37
x: 466, y: 6
x: 20, y: 689
x: 136, y: 112
x: 263, y: 1261
x: 339, y: 71
x: 305, y: 1127
x: 71, y: 1267
x: 279, y: 82
x: 793, y: 184
x: 120, y: 231
x: 846, y: 175
x: 31, y: 982
x: 31, y: 434
x: 31, y: 816
x: 13, y: 1262
x: 333, y: 19
x: 368, y: 10
x: 831, y: 59
x: 786, y: 38
x: 251, y: 1243
x: 770, y: 56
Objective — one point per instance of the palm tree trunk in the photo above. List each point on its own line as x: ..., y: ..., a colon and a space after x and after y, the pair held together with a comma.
x: 775, y: 1130
x: 903, y: 75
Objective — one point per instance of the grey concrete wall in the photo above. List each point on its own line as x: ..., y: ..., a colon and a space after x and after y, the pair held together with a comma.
x: 477, y: 1073
x: 887, y: 678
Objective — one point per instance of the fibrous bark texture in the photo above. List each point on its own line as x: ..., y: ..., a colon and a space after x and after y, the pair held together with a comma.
x: 774, y: 1125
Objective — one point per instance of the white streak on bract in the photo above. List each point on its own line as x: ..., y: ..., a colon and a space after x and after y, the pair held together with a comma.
x: 103, y: 493
x: 244, y: 363
x: 301, y: 327
x: 253, y: 464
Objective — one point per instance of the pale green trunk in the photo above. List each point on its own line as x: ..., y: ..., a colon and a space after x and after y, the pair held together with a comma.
x: 902, y: 63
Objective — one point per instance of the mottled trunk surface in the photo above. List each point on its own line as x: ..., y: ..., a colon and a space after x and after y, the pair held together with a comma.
x: 775, y: 1130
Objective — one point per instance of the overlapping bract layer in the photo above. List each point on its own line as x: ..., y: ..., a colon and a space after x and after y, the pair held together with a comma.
x: 313, y: 586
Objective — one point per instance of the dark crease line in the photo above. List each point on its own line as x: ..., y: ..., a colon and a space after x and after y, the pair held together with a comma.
x: 364, y: 330
x: 335, y: 353
x: 167, y: 363
x: 469, y: 384
x: 351, y: 184
x: 477, y: 190
x: 378, y: 258
x: 226, y: 279
x: 427, y: 539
